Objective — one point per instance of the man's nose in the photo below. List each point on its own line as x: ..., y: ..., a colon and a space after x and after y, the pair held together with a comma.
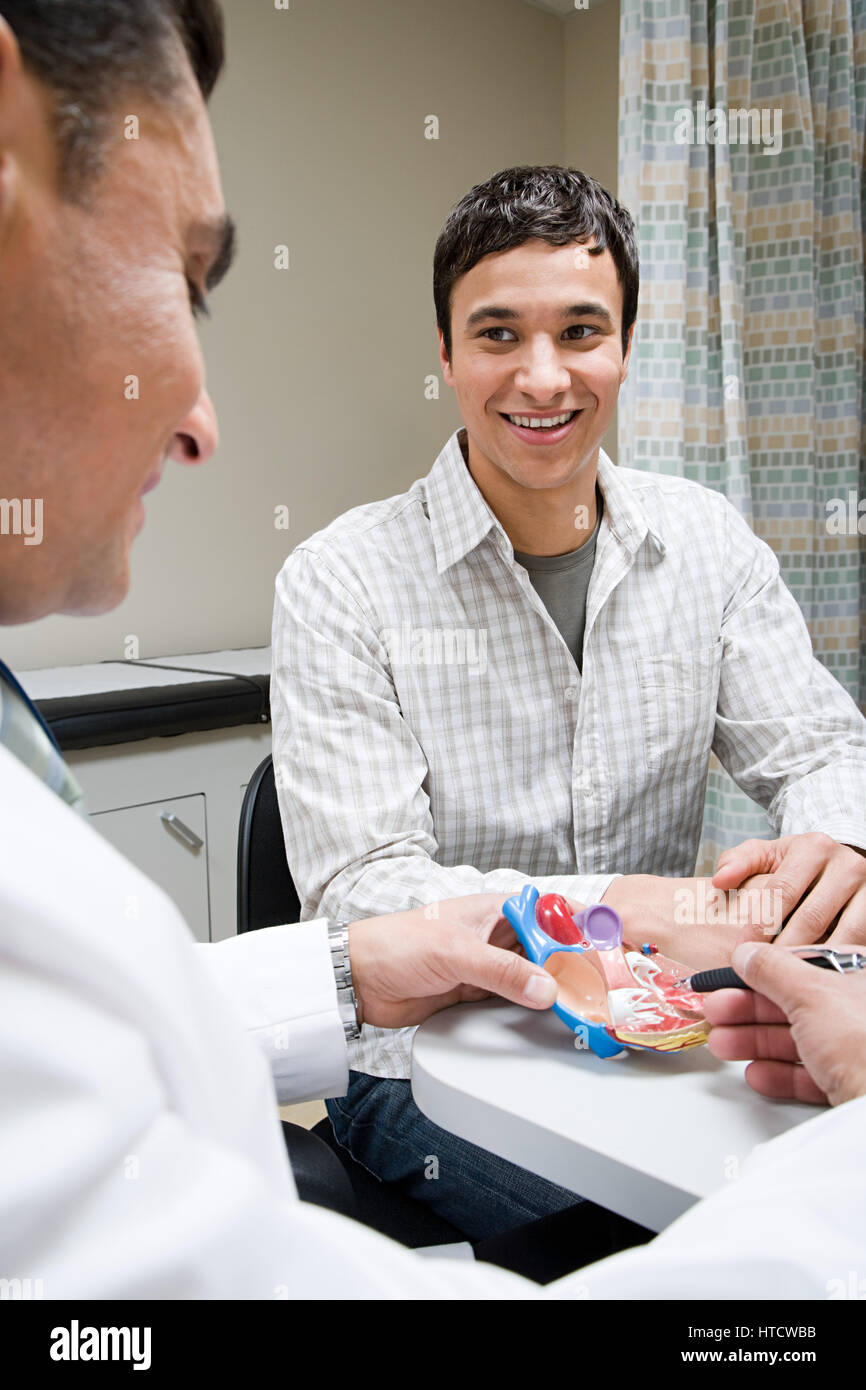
x: 196, y: 439
x: 541, y: 373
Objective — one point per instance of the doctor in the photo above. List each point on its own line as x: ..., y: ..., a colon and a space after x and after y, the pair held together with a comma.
x: 140, y: 1145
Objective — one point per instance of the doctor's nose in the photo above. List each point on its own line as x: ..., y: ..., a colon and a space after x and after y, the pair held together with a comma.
x: 196, y: 439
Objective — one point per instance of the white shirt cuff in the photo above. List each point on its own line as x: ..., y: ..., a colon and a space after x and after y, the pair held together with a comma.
x: 281, y: 983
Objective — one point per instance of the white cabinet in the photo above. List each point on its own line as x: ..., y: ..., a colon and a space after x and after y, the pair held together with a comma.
x: 167, y: 840
x: 197, y: 777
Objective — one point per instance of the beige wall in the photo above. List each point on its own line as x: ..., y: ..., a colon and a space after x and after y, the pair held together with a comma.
x: 592, y: 106
x: 318, y: 372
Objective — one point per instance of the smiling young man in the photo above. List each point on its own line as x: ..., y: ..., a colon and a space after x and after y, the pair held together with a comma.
x: 629, y: 622
x: 536, y: 466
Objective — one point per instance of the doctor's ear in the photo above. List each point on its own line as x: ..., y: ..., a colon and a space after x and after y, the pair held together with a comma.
x: 10, y: 184
x: 11, y: 77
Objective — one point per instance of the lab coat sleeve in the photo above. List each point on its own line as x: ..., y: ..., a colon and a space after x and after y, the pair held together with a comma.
x: 140, y: 1145
x: 280, y: 983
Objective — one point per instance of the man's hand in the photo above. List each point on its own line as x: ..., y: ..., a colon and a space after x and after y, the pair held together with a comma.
x: 687, y: 918
x: 408, y: 965
x: 805, y: 1028
x: 828, y: 877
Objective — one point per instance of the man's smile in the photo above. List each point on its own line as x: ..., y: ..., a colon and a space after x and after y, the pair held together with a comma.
x: 541, y: 427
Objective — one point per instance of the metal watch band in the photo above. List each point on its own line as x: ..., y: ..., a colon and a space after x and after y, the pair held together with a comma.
x: 338, y: 940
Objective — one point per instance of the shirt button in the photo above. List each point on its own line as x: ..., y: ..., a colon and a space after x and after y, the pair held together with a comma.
x: 570, y: 692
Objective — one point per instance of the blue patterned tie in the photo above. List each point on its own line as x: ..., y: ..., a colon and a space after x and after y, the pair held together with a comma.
x: 24, y: 733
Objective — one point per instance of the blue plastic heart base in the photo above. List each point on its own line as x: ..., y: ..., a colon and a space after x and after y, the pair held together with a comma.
x: 588, y: 1035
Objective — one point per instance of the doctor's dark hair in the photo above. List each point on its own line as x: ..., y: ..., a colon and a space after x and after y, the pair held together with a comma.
x: 547, y: 202
x: 92, y: 55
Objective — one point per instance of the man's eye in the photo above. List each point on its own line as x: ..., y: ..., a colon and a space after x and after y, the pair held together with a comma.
x: 497, y: 330
x: 580, y: 328
x: 197, y: 301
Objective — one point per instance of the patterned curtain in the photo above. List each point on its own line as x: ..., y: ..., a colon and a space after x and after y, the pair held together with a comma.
x: 741, y: 145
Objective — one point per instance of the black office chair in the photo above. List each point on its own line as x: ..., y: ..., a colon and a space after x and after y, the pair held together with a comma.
x: 266, y: 893
x: 267, y: 898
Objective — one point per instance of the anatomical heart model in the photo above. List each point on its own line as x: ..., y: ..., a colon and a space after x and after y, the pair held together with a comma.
x: 611, y: 993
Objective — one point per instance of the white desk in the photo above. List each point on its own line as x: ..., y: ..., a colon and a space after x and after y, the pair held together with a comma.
x: 644, y: 1135
x: 109, y: 677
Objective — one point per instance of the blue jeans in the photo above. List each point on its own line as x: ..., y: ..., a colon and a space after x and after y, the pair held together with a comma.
x: 382, y: 1127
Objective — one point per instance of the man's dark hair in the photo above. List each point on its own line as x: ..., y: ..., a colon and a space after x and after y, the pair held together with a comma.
x: 91, y: 54
x: 549, y: 202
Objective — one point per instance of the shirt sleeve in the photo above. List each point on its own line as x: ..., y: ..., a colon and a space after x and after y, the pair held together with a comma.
x: 280, y: 983
x: 350, y: 773
x: 786, y: 730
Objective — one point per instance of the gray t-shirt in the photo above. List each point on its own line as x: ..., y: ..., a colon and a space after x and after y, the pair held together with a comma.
x: 562, y: 582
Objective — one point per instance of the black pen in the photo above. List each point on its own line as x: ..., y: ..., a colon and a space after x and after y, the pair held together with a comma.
x: 706, y: 981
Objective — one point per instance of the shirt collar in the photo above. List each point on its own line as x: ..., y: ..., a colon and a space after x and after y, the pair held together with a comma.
x: 460, y: 518
x: 623, y: 511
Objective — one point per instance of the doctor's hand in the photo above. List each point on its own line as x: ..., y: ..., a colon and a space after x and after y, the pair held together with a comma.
x: 408, y: 965
x: 827, y: 879
x: 803, y: 1030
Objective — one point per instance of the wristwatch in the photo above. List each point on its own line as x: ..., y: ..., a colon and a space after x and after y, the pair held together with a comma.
x: 338, y: 940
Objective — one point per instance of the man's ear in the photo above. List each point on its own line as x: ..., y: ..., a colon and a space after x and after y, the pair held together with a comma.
x: 627, y: 358
x: 447, y: 374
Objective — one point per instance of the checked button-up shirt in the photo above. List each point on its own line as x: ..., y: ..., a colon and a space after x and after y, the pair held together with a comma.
x: 434, y: 737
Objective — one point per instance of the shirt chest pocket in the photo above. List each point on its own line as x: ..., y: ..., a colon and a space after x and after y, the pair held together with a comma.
x: 678, y: 696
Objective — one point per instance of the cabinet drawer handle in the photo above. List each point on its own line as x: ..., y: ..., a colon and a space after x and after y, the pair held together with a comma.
x: 188, y: 836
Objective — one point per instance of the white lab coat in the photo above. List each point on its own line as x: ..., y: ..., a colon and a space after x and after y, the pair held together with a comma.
x: 141, y: 1153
